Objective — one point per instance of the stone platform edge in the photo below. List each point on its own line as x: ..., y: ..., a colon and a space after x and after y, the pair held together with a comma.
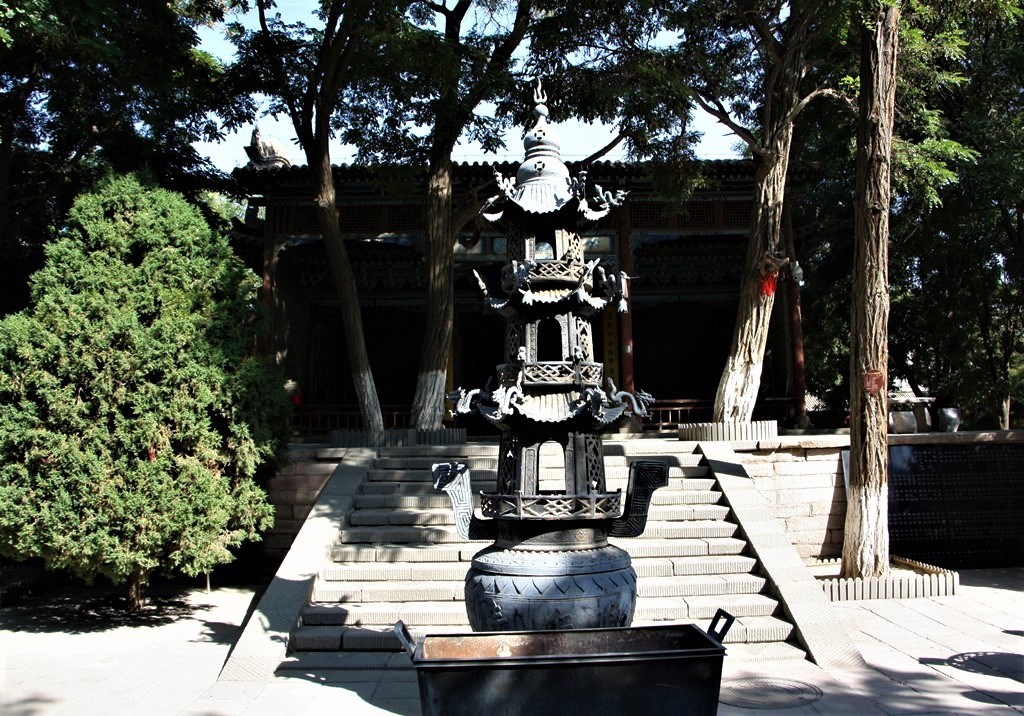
x: 819, y: 629
x: 263, y: 644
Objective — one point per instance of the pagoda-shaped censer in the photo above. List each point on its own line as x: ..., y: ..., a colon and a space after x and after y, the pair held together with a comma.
x: 550, y: 566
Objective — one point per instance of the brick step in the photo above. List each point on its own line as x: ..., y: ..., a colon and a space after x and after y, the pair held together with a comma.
x: 455, y: 569
x: 675, y: 512
x: 392, y: 534
x: 453, y: 613
x: 397, y: 502
x: 690, y: 529
x: 332, y: 637
x: 693, y: 608
x: 443, y: 515
x: 439, y: 590
x: 612, y: 447
x: 440, y: 452
x: 382, y: 473
x: 750, y: 629
x: 754, y: 631
x: 763, y: 652
x: 393, y: 572
x: 424, y: 464
x: 637, y: 548
x: 425, y: 487
x: 383, y: 615
x: 311, y: 662
x: 430, y: 500
x: 445, y: 533
x: 648, y: 547
x: 433, y: 590
x: 699, y: 585
x: 693, y: 566
x: 420, y: 487
x: 553, y: 462
x: 383, y: 553
x: 381, y: 517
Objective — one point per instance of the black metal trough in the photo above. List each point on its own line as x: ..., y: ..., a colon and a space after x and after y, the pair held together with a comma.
x: 639, y: 671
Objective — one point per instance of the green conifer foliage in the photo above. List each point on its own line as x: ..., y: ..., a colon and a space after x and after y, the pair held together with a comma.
x: 134, y: 413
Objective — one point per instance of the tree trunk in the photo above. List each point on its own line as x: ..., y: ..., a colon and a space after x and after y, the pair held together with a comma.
x: 345, y: 285
x: 428, y: 402
x: 137, y: 590
x: 866, y: 536
x: 741, y: 378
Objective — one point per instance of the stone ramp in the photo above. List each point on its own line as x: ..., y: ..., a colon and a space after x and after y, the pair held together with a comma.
x: 398, y: 557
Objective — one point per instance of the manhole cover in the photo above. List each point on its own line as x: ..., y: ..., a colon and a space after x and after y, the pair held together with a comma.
x: 760, y: 693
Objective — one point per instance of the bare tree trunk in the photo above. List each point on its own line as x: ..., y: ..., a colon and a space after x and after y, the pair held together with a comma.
x: 345, y: 285
x: 428, y: 402
x: 741, y: 377
x: 866, y: 535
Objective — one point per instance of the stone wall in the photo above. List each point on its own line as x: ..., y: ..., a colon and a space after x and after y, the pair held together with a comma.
x: 802, y: 479
x: 293, y: 492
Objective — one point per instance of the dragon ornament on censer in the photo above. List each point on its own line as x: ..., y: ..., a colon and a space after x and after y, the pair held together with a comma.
x: 550, y: 565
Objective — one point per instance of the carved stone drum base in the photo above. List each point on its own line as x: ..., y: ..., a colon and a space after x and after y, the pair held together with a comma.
x: 521, y: 586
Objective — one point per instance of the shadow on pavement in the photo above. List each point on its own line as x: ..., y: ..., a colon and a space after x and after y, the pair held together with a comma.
x: 95, y: 609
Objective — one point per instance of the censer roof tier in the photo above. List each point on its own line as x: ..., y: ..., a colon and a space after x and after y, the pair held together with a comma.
x: 543, y: 189
x: 542, y: 182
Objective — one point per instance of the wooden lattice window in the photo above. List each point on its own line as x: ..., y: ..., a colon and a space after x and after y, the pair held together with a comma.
x: 738, y: 214
x: 406, y: 217
x: 647, y: 214
x: 303, y: 221
x: 698, y: 214
x: 359, y: 219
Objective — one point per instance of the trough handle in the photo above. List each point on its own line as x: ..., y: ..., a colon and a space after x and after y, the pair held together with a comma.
x: 718, y: 634
x: 402, y: 632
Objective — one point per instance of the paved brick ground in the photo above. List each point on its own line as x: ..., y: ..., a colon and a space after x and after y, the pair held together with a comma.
x: 75, y: 653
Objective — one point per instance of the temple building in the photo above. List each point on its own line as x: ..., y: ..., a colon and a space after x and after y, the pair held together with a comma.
x: 683, y: 263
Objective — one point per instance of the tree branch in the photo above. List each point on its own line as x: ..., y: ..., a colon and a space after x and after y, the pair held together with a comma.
x: 605, y: 149
x: 716, y: 109
x: 284, y: 88
x: 818, y: 92
x: 437, y: 7
x: 468, y: 211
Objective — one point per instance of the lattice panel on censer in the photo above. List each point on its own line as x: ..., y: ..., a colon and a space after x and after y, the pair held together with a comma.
x: 583, y: 338
x: 513, y: 339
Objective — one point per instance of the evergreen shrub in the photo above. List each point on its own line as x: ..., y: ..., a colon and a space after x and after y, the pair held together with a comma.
x: 134, y: 409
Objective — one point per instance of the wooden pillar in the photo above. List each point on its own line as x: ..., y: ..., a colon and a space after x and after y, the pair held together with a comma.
x: 268, y: 291
x: 625, y: 319
x: 795, y: 324
x: 449, y: 381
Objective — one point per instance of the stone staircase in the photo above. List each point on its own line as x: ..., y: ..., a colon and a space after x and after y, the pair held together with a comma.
x: 399, y: 557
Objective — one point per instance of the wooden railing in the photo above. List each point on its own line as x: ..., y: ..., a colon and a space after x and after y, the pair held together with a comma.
x: 320, y: 420
x: 667, y: 414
